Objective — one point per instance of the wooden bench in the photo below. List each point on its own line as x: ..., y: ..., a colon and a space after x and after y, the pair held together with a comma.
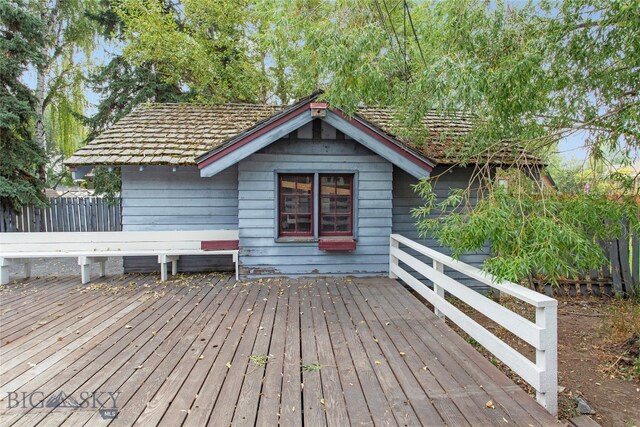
x: 96, y: 247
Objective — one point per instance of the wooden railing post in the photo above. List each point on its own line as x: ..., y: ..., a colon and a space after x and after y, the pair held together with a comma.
x: 393, y: 243
x: 438, y: 266
x: 547, y: 357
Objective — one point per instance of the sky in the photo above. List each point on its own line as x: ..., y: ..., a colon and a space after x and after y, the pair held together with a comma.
x: 573, y: 148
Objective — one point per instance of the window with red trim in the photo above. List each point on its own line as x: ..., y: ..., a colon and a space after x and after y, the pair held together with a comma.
x: 295, y: 216
x: 336, y: 205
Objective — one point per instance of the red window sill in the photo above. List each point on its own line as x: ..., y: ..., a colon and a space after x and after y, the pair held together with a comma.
x: 337, y: 244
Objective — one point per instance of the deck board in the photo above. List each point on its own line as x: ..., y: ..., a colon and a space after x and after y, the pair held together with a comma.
x: 179, y: 354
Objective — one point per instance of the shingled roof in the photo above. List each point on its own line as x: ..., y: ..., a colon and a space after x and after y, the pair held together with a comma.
x: 441, y: 140
x: 176, y: 134
x: 169, y: 134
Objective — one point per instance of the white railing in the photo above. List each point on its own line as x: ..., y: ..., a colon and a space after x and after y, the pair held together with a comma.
x: 542, y: 335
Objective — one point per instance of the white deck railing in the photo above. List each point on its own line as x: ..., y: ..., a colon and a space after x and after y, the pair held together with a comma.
x: 542, y: 335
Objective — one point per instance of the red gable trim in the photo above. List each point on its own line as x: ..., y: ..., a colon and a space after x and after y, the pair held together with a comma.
x: 304, y: 107
x: 384, y: 140
x: 301, y: 110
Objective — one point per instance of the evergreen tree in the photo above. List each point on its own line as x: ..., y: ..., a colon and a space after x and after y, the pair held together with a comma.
x: 21, y: 157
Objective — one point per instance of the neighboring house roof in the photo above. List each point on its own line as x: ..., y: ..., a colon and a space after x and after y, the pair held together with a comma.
x: 632, y: 169
x: 178, y: 134
x: 73, y: 192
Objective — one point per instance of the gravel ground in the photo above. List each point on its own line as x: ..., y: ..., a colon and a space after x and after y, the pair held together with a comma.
x: 63, y: 267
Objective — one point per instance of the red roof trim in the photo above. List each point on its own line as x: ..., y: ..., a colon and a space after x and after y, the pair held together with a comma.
x: 384, y: 140
x: 304, y: 107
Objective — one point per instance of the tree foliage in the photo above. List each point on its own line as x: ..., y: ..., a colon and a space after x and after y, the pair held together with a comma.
x: 21, y: 155
x: 107, y: 183
x: 69, y: 37
x: 121, y: 84
x: 203, y: 44
x: 547, y: 234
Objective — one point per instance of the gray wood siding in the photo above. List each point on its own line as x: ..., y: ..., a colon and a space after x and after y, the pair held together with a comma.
x: 404, y: 199
x: 159, y: 199
x: 260, y: 254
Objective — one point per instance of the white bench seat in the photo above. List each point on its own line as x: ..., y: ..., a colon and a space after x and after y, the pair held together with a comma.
x: 97, y: 247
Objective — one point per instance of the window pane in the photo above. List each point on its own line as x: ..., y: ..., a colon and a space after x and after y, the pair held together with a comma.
x: 304, y: 184
x: 328, y: 223
x: 304, y: 224
x: 296, y: 204
x: 327, y: 185
x: 288, y: 223
x: 343, y: 204
x: 343, y: 223
x: 304, y: 204
x: 287, y: 184
x: 304, y: 187
x: 288, y: 204
x: 327, y: 204
x: 336, y: 204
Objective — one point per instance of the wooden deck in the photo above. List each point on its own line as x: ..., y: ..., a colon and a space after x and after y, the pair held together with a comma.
x: 204, y: 350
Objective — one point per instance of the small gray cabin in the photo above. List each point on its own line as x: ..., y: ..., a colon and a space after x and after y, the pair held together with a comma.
x: 310, y: 190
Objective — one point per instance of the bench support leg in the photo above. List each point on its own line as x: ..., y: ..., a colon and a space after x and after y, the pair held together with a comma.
x: 85, y: 267
x: 164, y: 260
x: 4, y: 274
x: 27, y: 269
x: 6, y: 262
x: 235, y: 261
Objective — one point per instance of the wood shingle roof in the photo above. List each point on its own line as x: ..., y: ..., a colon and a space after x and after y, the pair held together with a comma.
x: 176, y: 134
x: 169, y: 134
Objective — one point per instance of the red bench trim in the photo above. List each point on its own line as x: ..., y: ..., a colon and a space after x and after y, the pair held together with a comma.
x: 219, y: 245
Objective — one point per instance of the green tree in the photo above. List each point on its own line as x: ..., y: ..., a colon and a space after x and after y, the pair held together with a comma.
x: 204, y: 45
x: 530, y: 74
x: 69, y: 37
x: 122, y: 86
x: 21, y: 155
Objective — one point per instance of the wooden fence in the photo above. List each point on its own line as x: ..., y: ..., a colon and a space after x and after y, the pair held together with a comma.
x: 64, y: 214
x: 618, y: 276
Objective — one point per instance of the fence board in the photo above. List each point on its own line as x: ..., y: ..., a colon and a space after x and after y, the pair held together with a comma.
x: 634, y: 258
x: 624, y: 258
x: 616, y: 275
x: 83, y: 217
x: 64, y: 214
